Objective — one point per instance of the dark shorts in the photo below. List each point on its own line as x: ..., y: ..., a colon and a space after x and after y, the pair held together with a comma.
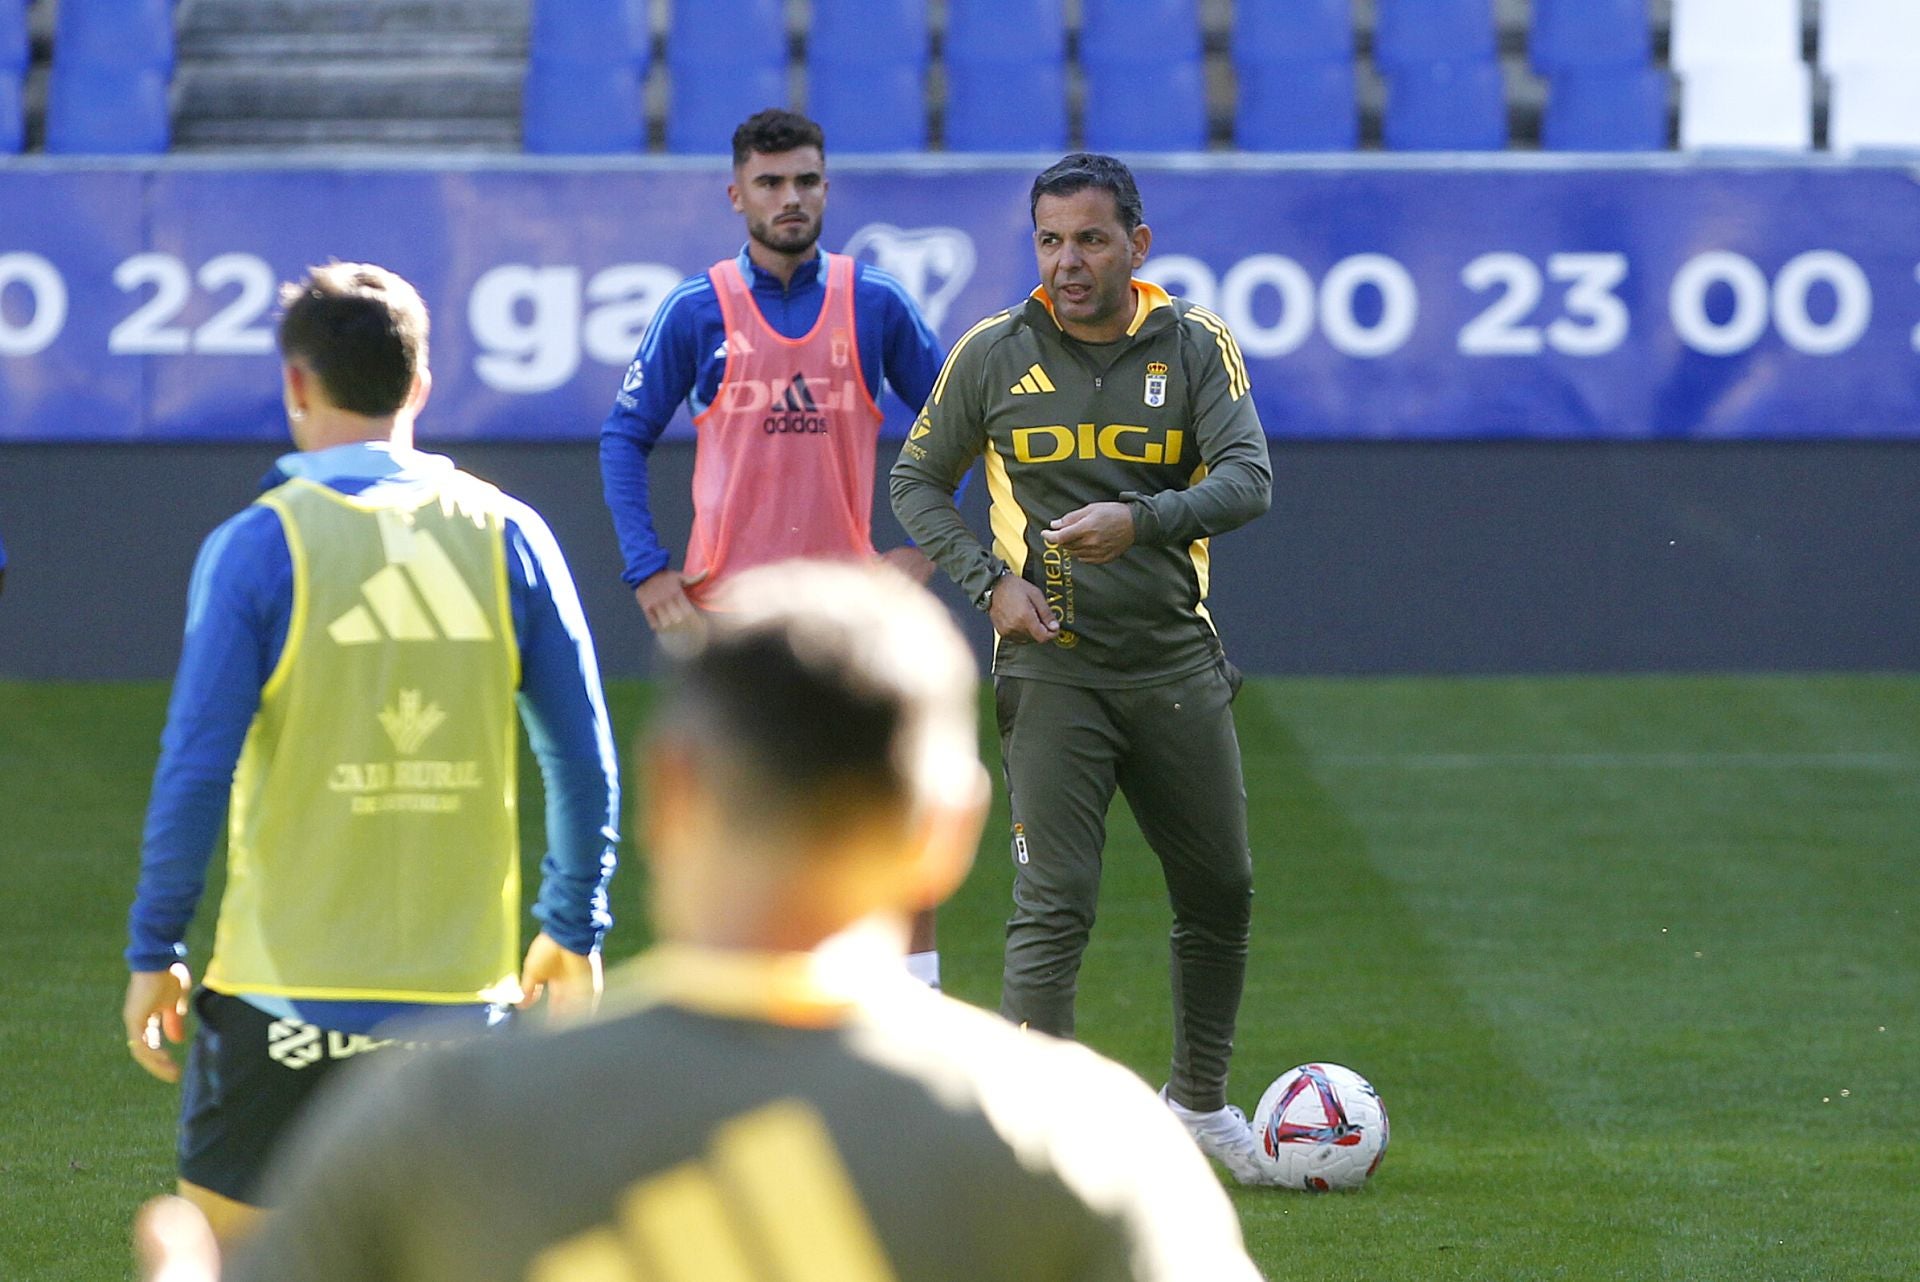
x: 248, y: 1077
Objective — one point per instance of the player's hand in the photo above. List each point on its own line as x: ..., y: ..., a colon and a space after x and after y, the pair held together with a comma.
x: 663, y: 598
x: 1019, y: 611
x: 570, y: 981
x: 156, y: 1009
x: 174, y: 1242
x: 912, y: 562
x: 1097, y: 533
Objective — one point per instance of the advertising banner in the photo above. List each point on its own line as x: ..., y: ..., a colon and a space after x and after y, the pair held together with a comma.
x: 1371, y: 301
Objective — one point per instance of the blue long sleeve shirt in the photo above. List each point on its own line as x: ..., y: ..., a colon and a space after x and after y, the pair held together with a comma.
x: 240, y: 603
x: 683, y: 356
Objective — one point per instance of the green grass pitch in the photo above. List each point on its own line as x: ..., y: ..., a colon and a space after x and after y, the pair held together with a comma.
x: 1634, y: 963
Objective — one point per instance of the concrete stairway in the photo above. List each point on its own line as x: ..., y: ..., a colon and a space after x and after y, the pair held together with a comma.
x: 296, y: 75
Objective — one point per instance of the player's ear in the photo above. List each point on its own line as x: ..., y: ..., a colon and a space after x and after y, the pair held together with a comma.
x: 733, y: 197
x: 422, y: 388
x: 1142, y: 238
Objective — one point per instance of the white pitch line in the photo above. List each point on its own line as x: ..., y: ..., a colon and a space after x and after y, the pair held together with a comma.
x: 1622, y: 760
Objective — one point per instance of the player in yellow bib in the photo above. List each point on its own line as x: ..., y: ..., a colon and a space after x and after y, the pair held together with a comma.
x: 357, y: 641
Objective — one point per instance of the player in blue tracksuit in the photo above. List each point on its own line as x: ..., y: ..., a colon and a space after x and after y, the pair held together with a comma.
x: 779, y: 188
x: 239, y: 606
x: 684, y: 356
x: 257, y: 1057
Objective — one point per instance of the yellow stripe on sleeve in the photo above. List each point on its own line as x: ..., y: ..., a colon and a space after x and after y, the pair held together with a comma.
x: 1008, y: 519
x: 1238, y: 384
x: 940, y: 384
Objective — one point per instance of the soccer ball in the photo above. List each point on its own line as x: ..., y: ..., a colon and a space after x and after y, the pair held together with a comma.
x: 1321, y: 1127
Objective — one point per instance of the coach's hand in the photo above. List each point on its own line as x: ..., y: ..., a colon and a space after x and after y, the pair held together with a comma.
x: 156, y: 1009
x: 570, y: 981
x: 1019, y: 611
x: 912, y: 562
x: 1097, y: 533
x: 663, y: 597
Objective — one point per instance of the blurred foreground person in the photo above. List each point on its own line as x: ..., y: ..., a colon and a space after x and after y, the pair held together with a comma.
x: 768, y: 1100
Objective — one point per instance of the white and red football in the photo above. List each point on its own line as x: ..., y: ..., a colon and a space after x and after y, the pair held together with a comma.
x: 1322, y: 1127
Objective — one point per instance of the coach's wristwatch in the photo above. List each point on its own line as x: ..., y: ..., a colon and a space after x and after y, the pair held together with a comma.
x: 985, y: 600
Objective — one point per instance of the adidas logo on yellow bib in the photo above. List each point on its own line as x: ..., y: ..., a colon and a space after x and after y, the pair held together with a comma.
x: 422, y: 599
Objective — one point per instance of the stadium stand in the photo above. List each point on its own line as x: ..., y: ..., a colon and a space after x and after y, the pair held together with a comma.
x: 1293, y: 68
x: 866, y: 73
x: 1870, y: 51
x: 292, y: 75
x: 586, y: 69
x: 112, y: 67
x: 1006, y: 94
x: 986, y: 75
x: 15, y: 52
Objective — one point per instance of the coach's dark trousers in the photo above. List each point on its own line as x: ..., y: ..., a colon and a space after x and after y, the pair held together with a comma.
x: 1172, y: 752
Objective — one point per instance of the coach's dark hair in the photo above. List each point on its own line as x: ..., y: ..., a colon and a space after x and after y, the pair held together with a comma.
x: 822, y: 694
x: 1084, y: 169
x: 362, y: 331
x: 773, y: 131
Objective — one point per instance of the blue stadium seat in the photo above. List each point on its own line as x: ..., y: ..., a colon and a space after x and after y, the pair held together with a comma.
x: 13, y: 114
x: 586, y: 68
x: 1006, y: 76
x: 1293, y: 31
x: 1158, y: 104
x: 114, y: 33
x: 869, y: 31
x: 1606, y: 109
x: 1132, y: 31
x: 1414, y: 32
x: 1446, y: 106
x: 868, y: 107
x: 13, y: 36
x: 573, y: 108
x: 1006, y: 104
x: 1294, y: 105
x: 708, y: 101
x: 1146, y: 90
x: 1006, y: 31
x: 594, y: 32
x: 728, y: 33
x: 1589, y: 33
x: 866, y: 74
x: 98, y: 111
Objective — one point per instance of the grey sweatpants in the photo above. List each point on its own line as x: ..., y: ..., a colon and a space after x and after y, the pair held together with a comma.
x: 1172, y: 752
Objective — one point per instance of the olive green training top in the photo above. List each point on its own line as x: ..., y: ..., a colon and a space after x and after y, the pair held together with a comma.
x: 1162, y: 419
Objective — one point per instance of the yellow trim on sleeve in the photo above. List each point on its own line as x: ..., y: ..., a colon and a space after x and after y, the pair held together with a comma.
x: 1005, y: 515
x: 953, y: 357
x: 1238, y: 384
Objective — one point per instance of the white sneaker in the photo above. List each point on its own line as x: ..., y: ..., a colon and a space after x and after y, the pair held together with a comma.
x: 1225, y: 1136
